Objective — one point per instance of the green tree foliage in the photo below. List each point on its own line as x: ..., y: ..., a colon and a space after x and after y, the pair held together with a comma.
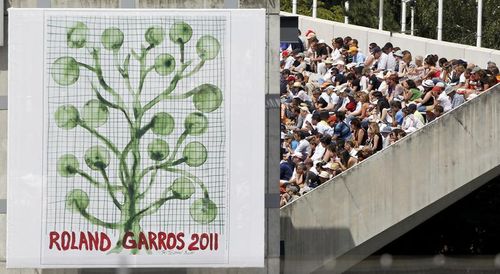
x: 459, y: 17
x: 328, y: 9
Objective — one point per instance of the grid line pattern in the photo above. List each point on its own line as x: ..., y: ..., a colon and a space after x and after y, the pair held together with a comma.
x: 174, y: 215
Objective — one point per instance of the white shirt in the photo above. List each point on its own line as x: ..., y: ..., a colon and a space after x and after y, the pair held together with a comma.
x: 391, y: 62
x: 289, y: 62
x: 462, y: 78
x: 335, y: 98
x: 382, y: 61
x: 318, y: 152
x: 336, y: 55
x: 444, y: 101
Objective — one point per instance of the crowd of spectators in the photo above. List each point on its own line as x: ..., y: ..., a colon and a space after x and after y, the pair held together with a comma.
x: 339, y: 105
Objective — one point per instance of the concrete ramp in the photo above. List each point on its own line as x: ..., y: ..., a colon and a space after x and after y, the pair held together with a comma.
x: 348, y: 218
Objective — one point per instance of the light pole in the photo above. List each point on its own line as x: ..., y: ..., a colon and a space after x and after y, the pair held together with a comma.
x: 479, y: 22
x: 440, y: 21
x: 346, y: 18
x: 294, y: 6
x: 315, y: 7
x: 403, y: 16
x: 381, y: 15
x: 412, y: 27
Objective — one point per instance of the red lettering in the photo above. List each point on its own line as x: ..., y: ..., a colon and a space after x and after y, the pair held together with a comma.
x: 83, y: 241
x: 142, y: 241
x: 216, y: 242
x: 180, y: 240
x: 194, y: 239
x: 152, y: 240
x: 132, y: 243
x: 204, y: 241
x: 105, y: 243
x: 93, y: 240
x: 162, y: 240
x: 73, y: 240
x: 171, y: 241
x: 65, y: 240
x: 53, y: 237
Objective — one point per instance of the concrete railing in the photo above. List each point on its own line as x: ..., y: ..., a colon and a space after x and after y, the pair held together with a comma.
x: 417, y: 45
x: 361, y: 210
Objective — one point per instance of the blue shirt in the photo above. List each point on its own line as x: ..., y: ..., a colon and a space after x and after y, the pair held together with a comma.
x: 399, y: 117
x: 342, y: 130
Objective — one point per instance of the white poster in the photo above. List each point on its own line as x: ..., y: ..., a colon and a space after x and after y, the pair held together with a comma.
x: 139, y: 156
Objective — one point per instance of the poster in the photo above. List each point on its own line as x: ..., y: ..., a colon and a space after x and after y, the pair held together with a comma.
x: 137, y: 146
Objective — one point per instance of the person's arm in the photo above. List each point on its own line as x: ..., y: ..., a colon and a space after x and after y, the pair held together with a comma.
x: 427, y: 96
x: 351, y: 162
x: 375, y: 142
x: 361, y: 135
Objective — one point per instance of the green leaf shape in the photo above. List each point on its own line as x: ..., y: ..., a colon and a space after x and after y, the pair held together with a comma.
x: 97, y: 157
x: 67, y: 165
x: 66, y: 117
x: 154, y: 35
x: 196, y: 123
x: 195, y: 154
x: 207, y: 98
x: 77, y: 199
x: 77, y: 35
x: 207, y: 47
x: 112, y: 38
x: 182, y: 188
x: 180, y: 33
x: 163, y: 124
x: 158, y: 150
x: 95, y: 113
x: 164, y: 64
x: 65, y: 71
x: 203, y: 211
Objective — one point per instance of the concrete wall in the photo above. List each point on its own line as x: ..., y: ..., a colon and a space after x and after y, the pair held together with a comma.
x: 373, y: 203
x: 272, y: 113
x: 416, y: 45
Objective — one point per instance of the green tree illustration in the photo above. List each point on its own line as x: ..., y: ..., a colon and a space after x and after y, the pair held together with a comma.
x: 135, y: 180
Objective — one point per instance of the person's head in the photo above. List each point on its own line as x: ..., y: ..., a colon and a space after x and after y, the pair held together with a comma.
x: 389, y: 47
x: 419, y: 61
x: 338, y: 42
x: 436, y: 90
x: 355, y: 124
x: 354, y: 43
x: 315, y: 119
x: 304, y: 111
x: 366, y: 71
x: 442, y: 62
x: 297, y: 158
x: 377, y: 52
x: 340, y: 116
x: 410, y: 84
x: 411, y: 108
x: 373, y: 129
x: 438, y: 110
x: 313, y: 43
x: 348, y: 145
x: 407, y: 56
x: 395, y: 106
x: 325, y: 140
x: 371, y: 46
x: 363, y: 97
x: 430, y: 61
x: 299, y: 135
x: 352, y: 50
x: 347, y: 40
x: 392, y: 80
x: 285, y: 73
x: 301, y: 167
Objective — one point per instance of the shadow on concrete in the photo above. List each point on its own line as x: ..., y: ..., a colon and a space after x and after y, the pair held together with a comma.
x: 314, y: 246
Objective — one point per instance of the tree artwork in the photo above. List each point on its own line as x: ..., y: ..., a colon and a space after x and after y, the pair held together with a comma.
x: 137, y: 169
